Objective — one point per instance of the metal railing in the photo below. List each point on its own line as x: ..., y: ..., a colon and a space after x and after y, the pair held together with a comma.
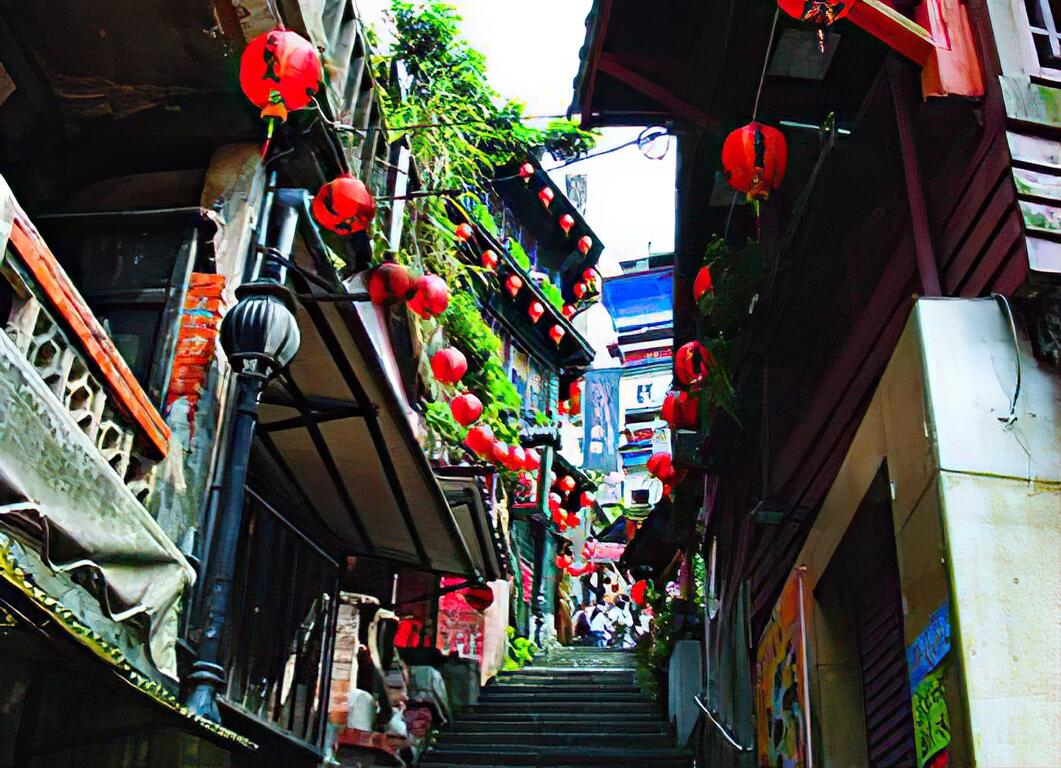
x: 283, y: 620
x: 721, y: 728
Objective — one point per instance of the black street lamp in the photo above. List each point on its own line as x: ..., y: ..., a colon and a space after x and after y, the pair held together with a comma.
x: 260, y: 336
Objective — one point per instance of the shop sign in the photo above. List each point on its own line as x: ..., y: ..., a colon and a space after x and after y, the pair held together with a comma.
x: 928, y: 649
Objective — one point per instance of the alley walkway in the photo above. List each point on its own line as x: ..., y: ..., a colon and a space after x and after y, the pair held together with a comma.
x: 576, y: 707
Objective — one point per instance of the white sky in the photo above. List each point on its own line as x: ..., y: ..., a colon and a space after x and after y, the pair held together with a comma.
x: 531, y: 48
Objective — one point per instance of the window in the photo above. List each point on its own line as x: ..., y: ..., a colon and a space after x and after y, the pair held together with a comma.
x: 1042, y: 15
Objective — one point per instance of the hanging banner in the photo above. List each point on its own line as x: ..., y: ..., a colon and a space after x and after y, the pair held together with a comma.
x: 929, y: 648
x: 781, y: 711
x: 931, y: 720
x: 600, y: 400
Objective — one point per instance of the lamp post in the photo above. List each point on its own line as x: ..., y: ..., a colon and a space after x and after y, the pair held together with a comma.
x: 260, y: 336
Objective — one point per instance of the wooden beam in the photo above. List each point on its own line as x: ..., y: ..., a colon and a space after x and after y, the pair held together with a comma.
x: 596, y: 46
x: 894, y: 30
x: 611, y: 65
x: 927, y: 268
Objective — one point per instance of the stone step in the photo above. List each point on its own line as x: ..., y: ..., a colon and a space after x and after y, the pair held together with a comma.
x: 555, y: 756
x: 534, y: 688
x: 510, y: 719
x: 660, y: 739
x: 568, y: 707
x: 498, y: 696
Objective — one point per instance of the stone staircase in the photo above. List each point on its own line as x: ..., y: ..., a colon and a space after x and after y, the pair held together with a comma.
x: 574, y: 707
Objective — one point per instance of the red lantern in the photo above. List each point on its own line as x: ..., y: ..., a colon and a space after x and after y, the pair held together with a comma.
x: 344, y: 205
x: 563, y: 562
x: 516, y: 457
x: 556, y: 333
x: 702, y: 284
x: 526, y: 171
x: 389, y: 281
x: 681, y: 410
x: 586, y: 499
x: 535, y: 311
x: 532, y: 460
x: 580, y: 289
x: 568, y: 311
x: 479, y: 597
x: 563, y: 407
x: 464, y: 232
x: 566, y: 483
x: 661, y: 466
x: 668, y: 489
x: 692, y: 363
x: 466, y: 409
x: 489, y: 260
x: 480, y: 439
x: 584, y: 244
x: 279, y: 71
x: 574, y: 389
x: 754, y: 159
x: 546, y: 195
x: 821, y: 13
x: 567, y: 221
x: 449, y: 365
x: 513, y: 284
x: 500, y: 452
x: 431, y: 297
x: 639, y: 593
x: 555, y: 501
x: 573, y: 520
x: 558, y: 520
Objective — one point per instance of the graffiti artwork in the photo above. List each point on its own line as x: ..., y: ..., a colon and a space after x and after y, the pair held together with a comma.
x: 780, y: 698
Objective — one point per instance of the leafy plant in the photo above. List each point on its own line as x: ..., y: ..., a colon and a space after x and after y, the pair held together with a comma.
x: 552, y: 293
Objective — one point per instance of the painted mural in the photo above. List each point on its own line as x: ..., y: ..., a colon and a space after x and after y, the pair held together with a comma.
x: 780, y: 710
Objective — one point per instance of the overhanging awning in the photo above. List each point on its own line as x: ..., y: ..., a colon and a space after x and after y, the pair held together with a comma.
x: 337, y: 428
x: 466, y: 501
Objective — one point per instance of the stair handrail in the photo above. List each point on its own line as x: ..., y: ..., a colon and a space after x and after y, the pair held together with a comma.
x: 721, y: 728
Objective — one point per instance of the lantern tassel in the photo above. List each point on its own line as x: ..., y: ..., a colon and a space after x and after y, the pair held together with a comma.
x: 270, y: 125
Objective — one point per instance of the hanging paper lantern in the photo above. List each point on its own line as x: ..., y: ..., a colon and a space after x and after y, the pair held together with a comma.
x: 535, y: 311
x: 513, y: 284
x: 479, y: 597
x: 516, y: 457
x: 692, y: 363
x: 431, y: 297
x: 574, y: 389
x: 500, y: 452
x: 580, y: 289
x: 546, y: 195
x: 559, y: 519
x: 592, y: 278
x: 556, y: 333
x: 526, y: 171
x: 573, y: 520
x: 566, y: 483
x: 563, y: 407
x: 660, y: 466
x: 821, y: 13
x: 567, y: 221
x: 754, y: 159
x: 532, y: 460
x: 449, y: 365
x: 466, y: 409
x: 489, y: 260
x: 464, y: 232
x: 584, y: 244
x: 681, y: 410
x: 568, y: 311
x: 563, y: 561
x: 479, y: 439
x: 668, y: 489
x: 344, y: 205
x: 639, y: 593
x: 586, y: 499
x: 555, y: 500
x: 279, y: 71
x: 389, y: 282
x: 702, y: 284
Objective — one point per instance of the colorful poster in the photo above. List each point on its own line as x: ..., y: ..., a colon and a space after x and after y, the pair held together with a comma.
x: 929, y: 648
x: 600, y: 400
x: 780, y: 696
x: 460, y: 627
x: 931, y: 721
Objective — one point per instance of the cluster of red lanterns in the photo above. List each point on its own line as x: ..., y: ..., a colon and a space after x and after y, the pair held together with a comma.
x: 427, y: 296
x: 573, y: 402
x: 480, y: 440
x: 692, y: 363
x: 681, y: 410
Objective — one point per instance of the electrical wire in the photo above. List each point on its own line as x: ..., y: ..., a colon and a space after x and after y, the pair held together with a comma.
x: 1016, y: 353
x: 766, y: 64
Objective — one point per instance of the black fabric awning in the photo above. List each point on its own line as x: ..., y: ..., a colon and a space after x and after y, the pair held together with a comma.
x: 337, y: 425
